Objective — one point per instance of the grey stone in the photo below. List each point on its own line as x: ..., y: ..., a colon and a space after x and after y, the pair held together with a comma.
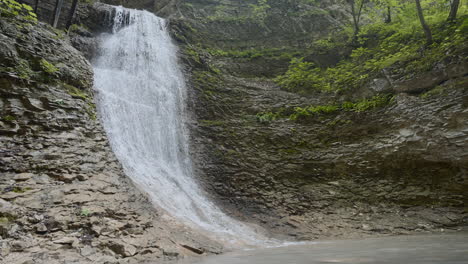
x: 23, y: 176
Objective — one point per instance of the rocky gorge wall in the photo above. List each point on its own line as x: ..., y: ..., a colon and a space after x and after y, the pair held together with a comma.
x: 393, y: 170
x: 397, y: 169
x: 63, y: 195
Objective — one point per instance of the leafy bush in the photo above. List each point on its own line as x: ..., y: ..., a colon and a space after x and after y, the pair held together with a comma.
x: 362, y: 105
x: 302, y: 76
x: 11, y: 8
x: 312, y: 110
x: 398, y: 46
x: 267, y: 117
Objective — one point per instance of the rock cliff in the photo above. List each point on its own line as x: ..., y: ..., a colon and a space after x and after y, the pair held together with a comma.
x: 63, y: 195
x: 396, y: 169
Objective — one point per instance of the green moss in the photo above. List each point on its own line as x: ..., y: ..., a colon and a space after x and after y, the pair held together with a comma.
x: 75, y: 92
x: 11, y: 8
x: 300, y: 112
x: 267, y: 117
x: 47, y: 66
x: 303, y: 75
x: 9, y: 118
x: 206, y: 81
x: 85, y: 212
x: 252, y: 53
x: 90, y: 108
x: 77, y: 27
x: 368, y: 104
x: 20, y: 190
x: 362, y: 105
x: 194, y: 55
x: 23, y: 70
x: 437, y: 91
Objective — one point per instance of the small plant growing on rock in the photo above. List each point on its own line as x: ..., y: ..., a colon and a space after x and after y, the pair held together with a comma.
x: 266, y: 117
x: 47, y: 66
x: 85, y: 212
x: 11, y: 8
x: 9, y: 118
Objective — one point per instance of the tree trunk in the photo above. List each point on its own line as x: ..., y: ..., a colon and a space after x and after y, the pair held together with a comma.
x: 35, y: 6
x: 388, y: 19
x: 72, y: 13
x: 453, y: 10
x: 427, y: 30
x: 356, y: 14
x: 355, y: 18
x: 58, y: 9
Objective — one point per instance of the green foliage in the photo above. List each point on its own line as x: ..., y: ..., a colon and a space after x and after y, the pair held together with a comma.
x: 358, y: 106
x: 90, y: 107
x: 17, y: 189
x: 326, y: 45
x: 438, y: 90
x: 299, y: 113
x: 254, y: 53
x: 398, y: 46
x: 11, y: 8
x: 193, y: 54
x: 8, y: 118
x: 23, y: 70
x: 47, y: 66
x: 302, y: 76
x: 77, y: 27
x: 259, y: 11
x: 367, y: 104
x: 267, y: 117
x: 85, y: 212
x: 75, y: 92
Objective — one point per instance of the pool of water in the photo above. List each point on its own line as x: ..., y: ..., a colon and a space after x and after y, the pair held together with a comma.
x: 418, y: 249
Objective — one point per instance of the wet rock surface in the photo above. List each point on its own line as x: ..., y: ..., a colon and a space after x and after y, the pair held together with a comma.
x: 395, y: 170
x: 63, y: 195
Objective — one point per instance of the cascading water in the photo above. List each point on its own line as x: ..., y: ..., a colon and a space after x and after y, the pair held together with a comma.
x: 141, y: 91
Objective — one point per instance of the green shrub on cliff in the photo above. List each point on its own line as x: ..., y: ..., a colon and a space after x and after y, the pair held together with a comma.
x: 303, y: 74
x: 399, y: 46
x: 299, y: 113
x: 11, y: 8
x: 267, y: 117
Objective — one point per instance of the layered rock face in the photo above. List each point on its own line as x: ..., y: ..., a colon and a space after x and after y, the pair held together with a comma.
x: 389, y: 171
x: 394, y: 170
x: 63, y: 195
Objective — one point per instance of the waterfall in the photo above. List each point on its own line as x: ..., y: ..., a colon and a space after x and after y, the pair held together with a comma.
x: 140, y: 98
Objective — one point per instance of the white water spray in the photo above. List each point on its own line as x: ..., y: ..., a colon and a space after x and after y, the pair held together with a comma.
x: 141, y: 92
